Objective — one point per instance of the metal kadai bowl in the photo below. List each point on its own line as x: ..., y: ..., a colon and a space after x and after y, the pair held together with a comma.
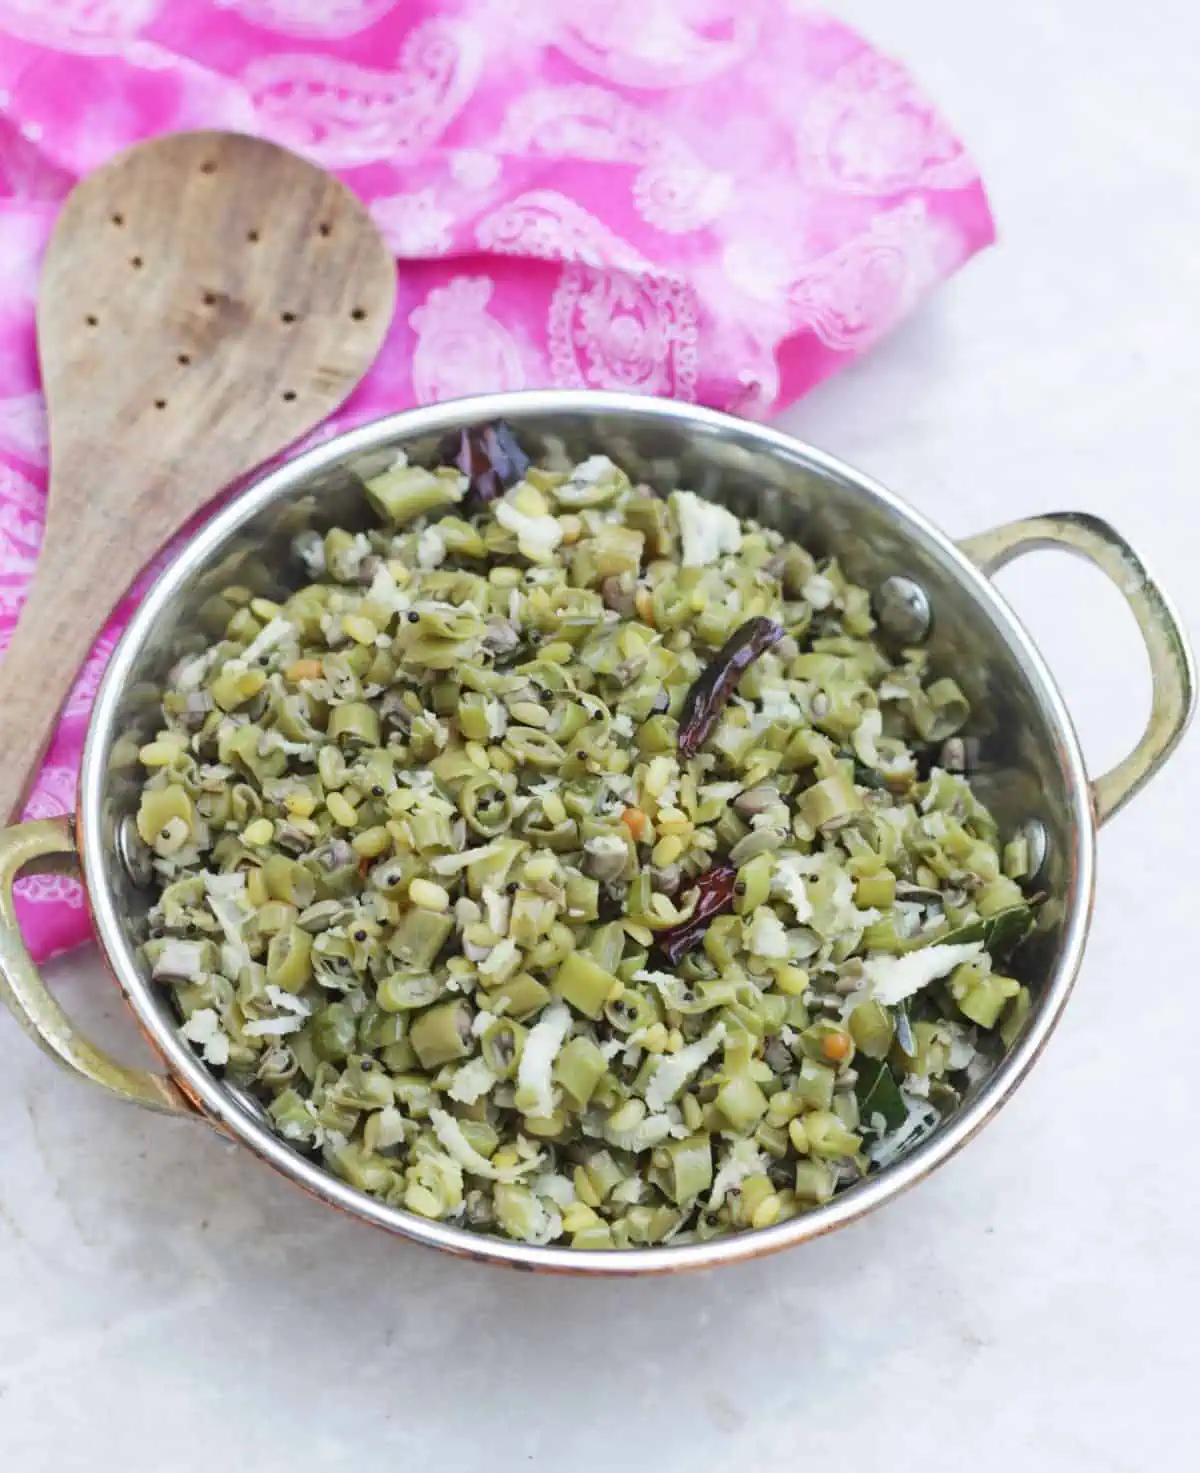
x: 1025, y: 758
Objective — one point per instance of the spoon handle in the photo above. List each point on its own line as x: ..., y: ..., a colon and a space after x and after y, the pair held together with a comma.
x: 55, y: 632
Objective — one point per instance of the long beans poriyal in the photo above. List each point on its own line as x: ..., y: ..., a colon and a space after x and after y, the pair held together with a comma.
x: 445, y: 881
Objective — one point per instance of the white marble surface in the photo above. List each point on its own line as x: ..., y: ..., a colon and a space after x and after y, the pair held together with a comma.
x: 166, y: 1303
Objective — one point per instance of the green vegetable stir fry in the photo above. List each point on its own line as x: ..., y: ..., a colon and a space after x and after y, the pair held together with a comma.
x: 574, y: 865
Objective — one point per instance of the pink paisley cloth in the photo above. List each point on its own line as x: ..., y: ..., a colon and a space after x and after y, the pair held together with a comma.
x: 719, y: 200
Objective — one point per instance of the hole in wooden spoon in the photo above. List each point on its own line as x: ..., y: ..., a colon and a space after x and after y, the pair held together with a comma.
x: 208, y: 167
x: 288, y: 395
x: 183, y: 359
x: 287, y: 318
x: 136, y: 262
x: 118, y: 219
x: 209, y: 299
x: 358, y: 314
x: 160, y: 403
x: 92, y: 320
x: 252, y: 236
x: 325, y: 228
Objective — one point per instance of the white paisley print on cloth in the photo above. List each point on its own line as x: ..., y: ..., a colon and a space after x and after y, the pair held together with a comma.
x: 21, y: 512
x: 53, y: 795
x: 414, y: 224
x: 25, y: 171
x: 23, y: 431
x: 758, y: 379
x: 473, y: 168
x: 550, y: 227
x: 653, y: 43
x: 761, y: 268
x: 318, y: 19
x: 676, y: 194
x: 620, y: 332
x: 582, y: 122
x: 673, y: 190
x: 87, y: 682
x: 97, y: 26
x: 22, y: 240
x: 853, y: 295
x: 345, y: 115
x: 869, y: 131
x: 461, y: 348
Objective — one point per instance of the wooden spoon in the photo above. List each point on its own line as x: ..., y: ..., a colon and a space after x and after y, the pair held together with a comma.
x: 206, y: 299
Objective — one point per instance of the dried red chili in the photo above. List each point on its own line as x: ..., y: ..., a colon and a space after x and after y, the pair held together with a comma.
x: 716, y: 897
x: 712, y: 689
x: 492, y: 460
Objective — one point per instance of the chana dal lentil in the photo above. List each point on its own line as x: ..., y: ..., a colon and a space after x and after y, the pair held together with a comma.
x: 529, y: 891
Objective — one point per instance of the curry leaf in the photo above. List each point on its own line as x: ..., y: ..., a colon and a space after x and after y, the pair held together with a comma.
x: 1000, y: 933
x: 878, y: 1093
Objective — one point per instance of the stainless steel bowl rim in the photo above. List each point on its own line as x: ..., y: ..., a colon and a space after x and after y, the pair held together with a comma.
x: 225, y: 1109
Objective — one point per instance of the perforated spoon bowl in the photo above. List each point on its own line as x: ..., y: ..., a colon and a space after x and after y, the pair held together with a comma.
x: 206, y: 299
